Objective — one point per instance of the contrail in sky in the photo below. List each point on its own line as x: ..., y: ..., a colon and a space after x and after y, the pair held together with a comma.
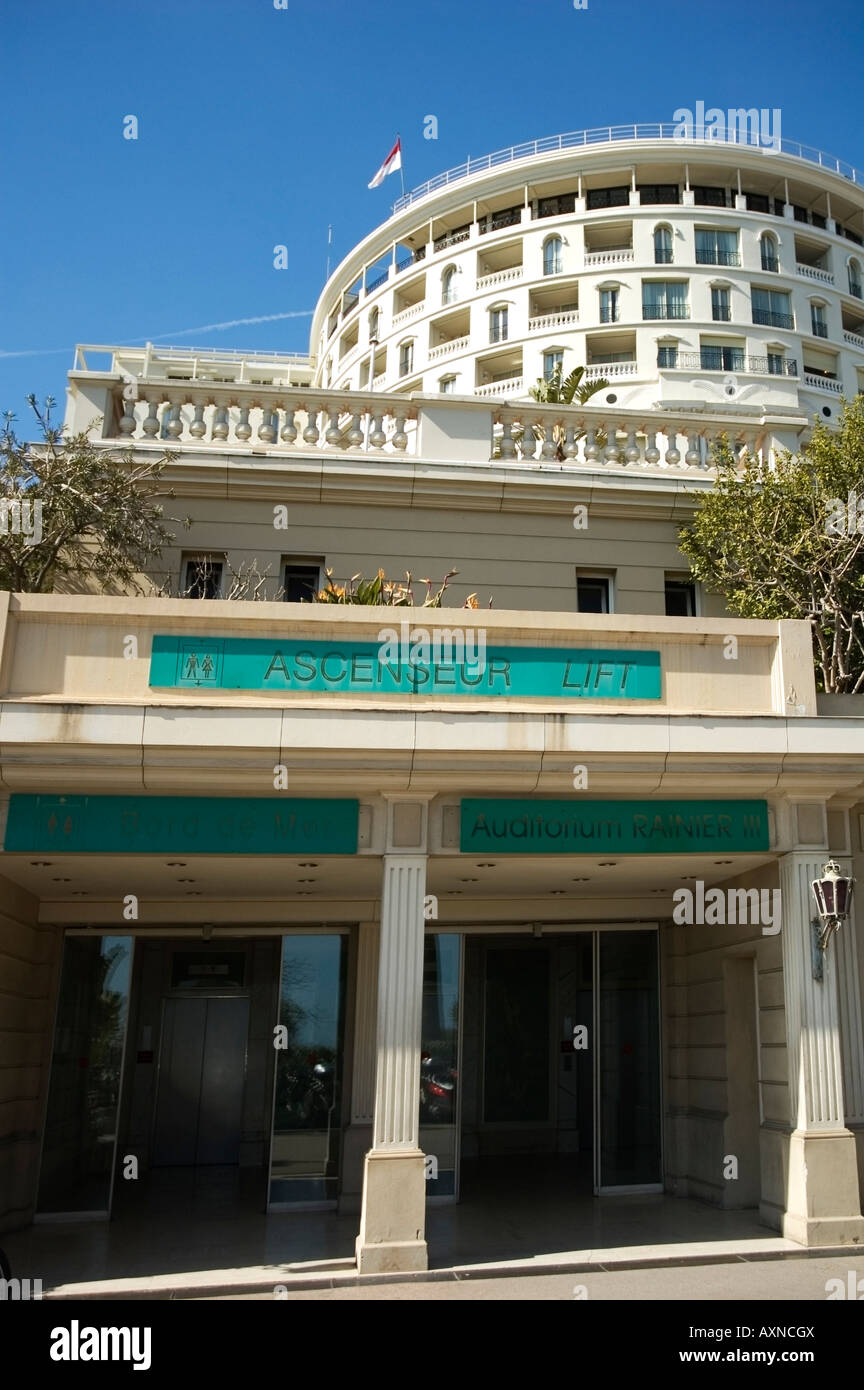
x: 176, y: 333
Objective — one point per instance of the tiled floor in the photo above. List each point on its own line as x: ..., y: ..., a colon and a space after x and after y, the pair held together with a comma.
x: 186, y: 1227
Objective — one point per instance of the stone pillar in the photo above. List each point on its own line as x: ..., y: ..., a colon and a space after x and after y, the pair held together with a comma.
x: 822, y: 1202
x: 392, y: 1223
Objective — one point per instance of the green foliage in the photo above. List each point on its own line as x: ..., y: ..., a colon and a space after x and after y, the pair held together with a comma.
x: 99, y: 526
x: 764, y: 539
x: 572, y: 390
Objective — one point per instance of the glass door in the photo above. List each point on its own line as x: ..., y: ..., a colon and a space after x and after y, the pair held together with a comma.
x: 439, y: 1062
x: 628, y: 1148
x: 305, y: 1143
x: 79, y: 1149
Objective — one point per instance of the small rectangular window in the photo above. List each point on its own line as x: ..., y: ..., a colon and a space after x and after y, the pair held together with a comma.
x: 202, y: 576
x: 667, y: 356
x: 680, y: 598
x: 592, y: 594
x: 552, y: 362
x: 301, y: 581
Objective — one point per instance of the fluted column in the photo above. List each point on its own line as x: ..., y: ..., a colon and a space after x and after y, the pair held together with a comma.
x: 392, y: 1223
x: 823, y: 1203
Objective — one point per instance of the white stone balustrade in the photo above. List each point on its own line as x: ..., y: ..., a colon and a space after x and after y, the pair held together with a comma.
x: 812, y: 272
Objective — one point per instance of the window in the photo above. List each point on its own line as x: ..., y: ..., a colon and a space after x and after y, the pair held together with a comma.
x: 771, y: 308
x: 680, y: 598
x: 552, y: 256
x: 552, y: 361
x: 608, y: 306
x: 374, y: 325
x: 776, y: 365
x: 658, y: 193
x: 721, y: 359
x: 202, y: 576
x: 716, y: 248
x: 665, y: 299
x: 406, y: 358
x: 768, y: 250
x: 855, y: 279
x: 592, y: 594
x: 555, y: 207
x: 818, y: 322
x: 447, y: 385
x: 448, y: 286
x: 720, y: 310
x: 498, y: 325
x: 667, y: 355
x: 662, y: 245
x: 708, y: 196
x: 301, y: 581
x: 618, y: 197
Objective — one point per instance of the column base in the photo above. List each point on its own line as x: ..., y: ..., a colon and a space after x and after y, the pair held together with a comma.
x: 824, y: 1203
x: 393, y: 1219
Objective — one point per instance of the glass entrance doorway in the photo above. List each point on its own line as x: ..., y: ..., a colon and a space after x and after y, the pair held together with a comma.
x: 560, y: 1068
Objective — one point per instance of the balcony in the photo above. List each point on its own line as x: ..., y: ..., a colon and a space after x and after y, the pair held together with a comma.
x: 773, y: 366
x: 822, y: 383
x: 665, y: 311
x: 378, y: 281
x: 500, y: 277
x: 546, y: 321
x: 718, y: 257
x: 767, y: 318
x: 621, y: 255
x: 512, y: 386
x: 447, y: 349
x: 611, y: 370
x: 454, y: 238
x: 412, y: 312
x: 815, y: 272
x: 507, y: 217
x: 854, y: 340
x: 709, y: 360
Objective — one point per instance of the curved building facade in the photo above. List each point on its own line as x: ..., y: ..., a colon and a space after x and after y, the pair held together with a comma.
x: 684, y: 272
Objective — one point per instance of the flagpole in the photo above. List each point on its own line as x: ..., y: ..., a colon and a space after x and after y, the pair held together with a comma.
x: 401, y: 175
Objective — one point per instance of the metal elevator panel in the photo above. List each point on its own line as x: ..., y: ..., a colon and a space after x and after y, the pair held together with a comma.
x: 202, y: 1074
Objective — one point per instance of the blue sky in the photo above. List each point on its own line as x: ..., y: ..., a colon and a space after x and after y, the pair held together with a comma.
x: 260, y: 127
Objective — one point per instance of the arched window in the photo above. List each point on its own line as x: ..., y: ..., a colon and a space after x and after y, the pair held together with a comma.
x: 374, y: 324
x: 663, y: 245
x: 406, y: 357
x: 855, y: 278
x: 818, y: 321
x: 768, y: 251
x: 448, y: 285
x: 552, y: 255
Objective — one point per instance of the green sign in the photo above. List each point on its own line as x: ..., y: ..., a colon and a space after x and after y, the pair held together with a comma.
x: 613, y: 827
x: 434, y: 667
x: 180, y: 825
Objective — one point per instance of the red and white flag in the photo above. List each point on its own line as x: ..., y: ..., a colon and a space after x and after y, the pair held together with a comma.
x: 390, y: 165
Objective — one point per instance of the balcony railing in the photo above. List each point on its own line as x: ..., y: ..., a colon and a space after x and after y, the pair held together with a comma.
x: 855, y: 289
x: 822, y: 383
x: 767, y: 318
x: 511, y: 387
x: 509, y: 217
x: 700, y: 136
x: 621, y: 255
x: 411, y: 312
x: 854, y: 340
x: 378, y: 281
x: 814, y: 272
x: 662, y: 256
x: 453, y: 238
x: 665, y: 311
x: 498, y: 335
x: 610, y: 370
x: 709, y: 257
x: 610, y: 315
x: 445, y: 349
x: 819, y: 330
x: 544, y: 321
x: 499, y: 277
x: 721, y: 313
x: 770, y: 263
x: 773, y: 366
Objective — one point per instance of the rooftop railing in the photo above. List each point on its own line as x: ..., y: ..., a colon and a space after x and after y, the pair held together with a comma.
x: 604, y: 135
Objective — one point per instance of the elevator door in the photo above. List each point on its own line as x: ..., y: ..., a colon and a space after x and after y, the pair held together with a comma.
x: 202, y: 1071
